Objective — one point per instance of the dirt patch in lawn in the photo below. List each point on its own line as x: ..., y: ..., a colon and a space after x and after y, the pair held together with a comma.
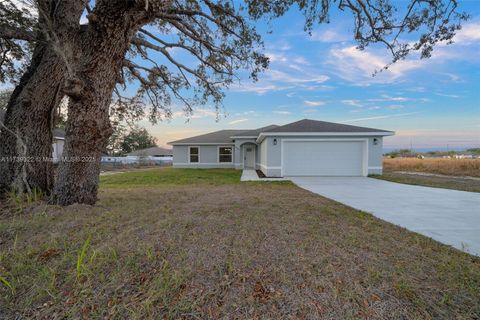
x: 247, y: 250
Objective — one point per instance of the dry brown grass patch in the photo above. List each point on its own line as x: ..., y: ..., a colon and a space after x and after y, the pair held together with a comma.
x: 227, y: 251
x: 453, y: 167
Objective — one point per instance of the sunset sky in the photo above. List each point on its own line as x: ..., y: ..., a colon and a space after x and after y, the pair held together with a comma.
x: 431, y: 103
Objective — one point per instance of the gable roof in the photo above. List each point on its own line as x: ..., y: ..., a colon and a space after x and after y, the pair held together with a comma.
x: 153, y: 151
x: 255, y: 132
x: 305, y: 126
x: 308, y: 125
x: 59, y: 133
x: 217, y: 137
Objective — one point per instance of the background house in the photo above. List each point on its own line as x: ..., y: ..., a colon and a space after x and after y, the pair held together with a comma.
x: 57, y: 143
x: 148, y: 156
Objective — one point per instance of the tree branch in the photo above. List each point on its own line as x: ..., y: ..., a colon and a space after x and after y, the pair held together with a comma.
x: 13, y: 33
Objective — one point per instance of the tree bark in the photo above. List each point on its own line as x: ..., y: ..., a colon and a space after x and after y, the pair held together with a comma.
x: 26, y: 135
x: 102, y: 47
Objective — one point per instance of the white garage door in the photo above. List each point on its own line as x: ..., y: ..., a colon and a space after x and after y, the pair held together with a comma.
x: 322, y: 158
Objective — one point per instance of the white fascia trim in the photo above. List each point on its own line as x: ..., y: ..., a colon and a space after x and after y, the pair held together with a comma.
x: 332, y: 134
x: 243, y: 137
x: 204, y: 163
x: 375, y: 168
x: 203, y: 144
x: 59, y: 138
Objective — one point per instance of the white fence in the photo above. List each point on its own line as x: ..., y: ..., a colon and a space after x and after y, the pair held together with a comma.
x: 144, y: 160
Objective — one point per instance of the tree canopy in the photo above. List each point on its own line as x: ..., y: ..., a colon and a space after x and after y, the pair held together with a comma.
x: 137, y: 139
x: 4, y: 97
x: 221, y: 39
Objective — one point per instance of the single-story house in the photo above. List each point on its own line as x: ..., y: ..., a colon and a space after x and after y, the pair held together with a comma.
x: 302, y: 148
x: 152, y: 152
x: 58, y: 140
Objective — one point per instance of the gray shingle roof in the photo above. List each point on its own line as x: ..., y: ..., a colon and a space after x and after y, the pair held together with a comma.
x: 307, y: 125
x: 255, y: 132
x: 153, y: 151
x: 59, y: 133
x: 222, y: 136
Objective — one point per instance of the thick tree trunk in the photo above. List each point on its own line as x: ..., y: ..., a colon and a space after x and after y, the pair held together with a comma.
x: 26, y: 135
x: 88, y: 126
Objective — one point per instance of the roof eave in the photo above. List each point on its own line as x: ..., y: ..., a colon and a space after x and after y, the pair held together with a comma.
x: 243, y: 137
x: 262, y: 136
x: 199, y: 143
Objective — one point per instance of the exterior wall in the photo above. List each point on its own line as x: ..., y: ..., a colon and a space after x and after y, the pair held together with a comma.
x: 272, y: 165
x: 57, y: 149
x: 239, y: 143
x: 208, y: 157
x: 375, y: 156
x: 268, y: 154
x: 262, y: 155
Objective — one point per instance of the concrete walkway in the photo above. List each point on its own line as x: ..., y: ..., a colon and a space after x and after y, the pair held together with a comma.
x: 448, y: 216
x: 251, y: 175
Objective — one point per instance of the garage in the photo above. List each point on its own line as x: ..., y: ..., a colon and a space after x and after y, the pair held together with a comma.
x: 324, y: 157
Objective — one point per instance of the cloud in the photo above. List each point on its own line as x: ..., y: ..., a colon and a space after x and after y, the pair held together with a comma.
x: 380, y: 117
x: 286, y: 71
x: 197, y: 113
x: 352, y: 102
x: 282, y: 45
x: 455, y: 96
x: 359, y: 66
x: 282, y: 112
x: 310, y: 103
x: 238, y: 121
x: 246, y: 113
x: 385, y: 97
x: 330, y: 35
x: 469, y: 33
x: 258, y: 88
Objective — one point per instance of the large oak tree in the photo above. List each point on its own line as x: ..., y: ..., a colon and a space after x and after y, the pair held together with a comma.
x: 132, y: 41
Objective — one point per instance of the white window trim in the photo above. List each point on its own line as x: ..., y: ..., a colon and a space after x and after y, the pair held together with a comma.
x: 189, y: 154
x: 218, y: 153
x: 365, y: 150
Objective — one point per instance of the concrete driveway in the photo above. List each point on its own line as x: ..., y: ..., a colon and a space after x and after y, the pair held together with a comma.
x: 449, y: 216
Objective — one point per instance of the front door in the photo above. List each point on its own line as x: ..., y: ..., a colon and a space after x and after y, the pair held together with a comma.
x: 249, y: 156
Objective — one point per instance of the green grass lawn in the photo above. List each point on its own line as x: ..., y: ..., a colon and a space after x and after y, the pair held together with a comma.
x: 167, y: 176
x: 198, y: 244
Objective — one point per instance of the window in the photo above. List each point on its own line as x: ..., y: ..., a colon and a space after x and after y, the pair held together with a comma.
x: 194, y: 154
x: 225, y: 154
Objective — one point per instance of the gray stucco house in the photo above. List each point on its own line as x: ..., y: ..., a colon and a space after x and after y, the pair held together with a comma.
x: 302, y: 148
